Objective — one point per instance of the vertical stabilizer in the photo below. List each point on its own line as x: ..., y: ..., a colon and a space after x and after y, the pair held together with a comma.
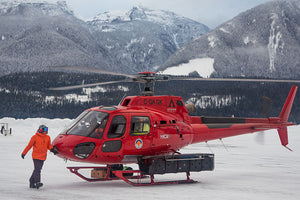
x: 284, y: 115
x: 283, y: 136
x: 286, y: 109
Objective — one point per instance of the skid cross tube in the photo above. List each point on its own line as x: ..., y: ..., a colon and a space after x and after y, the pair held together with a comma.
x: 74, y: 170
x: 108, y: 177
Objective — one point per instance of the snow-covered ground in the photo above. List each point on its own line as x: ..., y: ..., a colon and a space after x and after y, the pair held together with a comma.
x: 203, y: 66
x: 244, y: 170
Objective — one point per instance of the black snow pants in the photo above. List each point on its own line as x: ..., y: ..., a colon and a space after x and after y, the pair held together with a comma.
x: 36, y: 174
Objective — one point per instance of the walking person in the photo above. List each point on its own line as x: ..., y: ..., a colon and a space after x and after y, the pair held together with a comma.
x: 41, y: 143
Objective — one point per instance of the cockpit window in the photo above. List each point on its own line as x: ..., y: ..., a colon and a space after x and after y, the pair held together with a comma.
x: 117, y: 127
x: 92, y: 124
x: 73, y: 122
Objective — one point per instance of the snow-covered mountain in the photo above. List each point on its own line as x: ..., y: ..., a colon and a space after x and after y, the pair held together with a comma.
x: 36, y: 35
x: 263, y: 41
x: 12, y: 7
x: 141, y: 38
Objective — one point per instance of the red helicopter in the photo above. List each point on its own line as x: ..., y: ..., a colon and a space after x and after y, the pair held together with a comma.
x: 150, y: 130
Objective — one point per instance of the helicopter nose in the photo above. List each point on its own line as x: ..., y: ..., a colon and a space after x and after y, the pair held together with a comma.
x: 64, y: 149
x: 73, y: 147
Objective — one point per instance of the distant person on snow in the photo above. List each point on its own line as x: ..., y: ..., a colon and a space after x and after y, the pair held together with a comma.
x: 40, y: 142
x: 2, y: 129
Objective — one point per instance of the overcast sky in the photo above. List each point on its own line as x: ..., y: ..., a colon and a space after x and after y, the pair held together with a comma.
x: 209, y: 12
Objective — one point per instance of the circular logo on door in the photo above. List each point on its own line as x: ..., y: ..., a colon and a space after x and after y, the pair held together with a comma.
x: 139, y: 143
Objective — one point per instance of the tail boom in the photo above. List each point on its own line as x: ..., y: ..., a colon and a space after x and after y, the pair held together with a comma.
x: 210, y: 128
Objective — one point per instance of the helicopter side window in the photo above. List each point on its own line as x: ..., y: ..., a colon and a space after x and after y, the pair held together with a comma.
x: 117, y: 127
x: 91, y: 125
x: 140, y: 125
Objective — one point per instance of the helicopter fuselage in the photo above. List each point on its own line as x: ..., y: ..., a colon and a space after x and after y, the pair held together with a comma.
x: 140, y: 126
x: 144, y: 126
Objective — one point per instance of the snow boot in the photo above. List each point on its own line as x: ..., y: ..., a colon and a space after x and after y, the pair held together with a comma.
x: 31, y: 185
x: 38, y: 185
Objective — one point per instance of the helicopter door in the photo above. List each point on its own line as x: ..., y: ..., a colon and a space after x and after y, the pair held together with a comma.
x: 113, y: 139
x: 139, y: 139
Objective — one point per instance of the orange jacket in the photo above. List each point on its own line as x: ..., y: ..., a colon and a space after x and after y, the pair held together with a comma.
x: 40, y: 143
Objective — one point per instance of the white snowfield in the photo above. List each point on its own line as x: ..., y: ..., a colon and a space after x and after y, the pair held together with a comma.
x: 243, y: 170
x: 203, y: 66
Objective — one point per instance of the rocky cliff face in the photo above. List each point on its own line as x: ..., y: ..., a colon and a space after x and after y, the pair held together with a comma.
x: 261, y: 42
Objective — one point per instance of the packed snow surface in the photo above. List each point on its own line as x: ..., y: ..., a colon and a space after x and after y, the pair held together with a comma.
x: 244, y: 169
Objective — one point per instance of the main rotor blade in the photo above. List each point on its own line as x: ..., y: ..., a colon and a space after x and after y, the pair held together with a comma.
x: 87, y: 85
x: 92, y: 70
x: 236, y: 80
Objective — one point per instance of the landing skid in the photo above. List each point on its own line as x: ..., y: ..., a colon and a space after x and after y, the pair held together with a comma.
x: 108, y: 177
x: 138, y: 182
x: 149, y: 166
x: 75, y: 170
x: 123, y: 175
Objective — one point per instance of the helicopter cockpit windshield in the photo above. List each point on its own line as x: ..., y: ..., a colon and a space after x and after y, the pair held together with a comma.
x: 90, y: 124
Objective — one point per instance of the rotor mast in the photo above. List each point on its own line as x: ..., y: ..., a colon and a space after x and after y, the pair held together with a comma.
x: 147, y: 78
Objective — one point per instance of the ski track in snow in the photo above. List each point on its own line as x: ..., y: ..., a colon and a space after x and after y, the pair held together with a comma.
x: 246, y: 170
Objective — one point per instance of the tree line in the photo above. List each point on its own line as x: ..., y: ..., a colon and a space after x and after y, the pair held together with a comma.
x: 23, y: 95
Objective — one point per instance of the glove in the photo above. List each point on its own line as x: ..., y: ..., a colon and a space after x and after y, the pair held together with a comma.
x: 54, y: 150
x: 23, y: 155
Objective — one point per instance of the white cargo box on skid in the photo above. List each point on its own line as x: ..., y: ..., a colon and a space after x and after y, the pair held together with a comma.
x: 4, y: 129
